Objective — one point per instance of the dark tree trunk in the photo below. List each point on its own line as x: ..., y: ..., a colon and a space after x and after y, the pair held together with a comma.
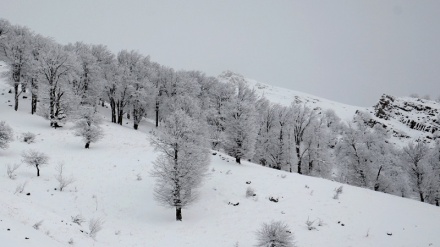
x: 34, y: 103
x: 157, y: 113
x: 299, y: 159
x: 422, y: 198
x: 135, y: 126
x: 52, y: 106
x: 87, y: 145
x: 16, y: 96
x: 113, y: 110
x: 310, y: 167
x: 120, y: 115
x: 238, y: 160
x: 437, y: 202
x: 38, y: 170
x: 128, y: 115
x: 178, y: 213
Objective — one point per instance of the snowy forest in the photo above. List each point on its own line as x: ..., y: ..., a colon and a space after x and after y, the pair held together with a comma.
x: 197, y: 115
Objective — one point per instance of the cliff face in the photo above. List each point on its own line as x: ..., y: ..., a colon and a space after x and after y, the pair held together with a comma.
x: 417, y: 115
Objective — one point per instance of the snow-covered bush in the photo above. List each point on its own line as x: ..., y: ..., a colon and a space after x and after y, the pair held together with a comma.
x: 275, y: 234
x: 11, y: 170
x: 338, y: 191
x: 6, y: 135
x: 35, y: 159
x: 88, y: 126
x: 28, y: 137
x: 95, y: 225
x: 250, y: 192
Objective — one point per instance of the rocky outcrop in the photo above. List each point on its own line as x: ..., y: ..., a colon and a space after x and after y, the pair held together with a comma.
x: 417, y: 114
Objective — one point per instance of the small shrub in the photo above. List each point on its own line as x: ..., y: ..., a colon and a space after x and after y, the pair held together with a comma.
x: 138, y: 177
x: 309, y: 224
x: 37, y: 225
x: 11, y: 171
x: 20, y: 187
x: 250, y: 192
x: 338, y: 191
x: 28, y: 137
x: 275, y: 234
x: 95, y: 225
x: 62, y: 180
x: 78, y: 219
x: 283, y: 175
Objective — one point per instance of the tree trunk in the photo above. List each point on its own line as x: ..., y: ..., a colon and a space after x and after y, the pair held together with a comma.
x: 120, y: 113
x: 87, y: 145
x: 422, y: 198
x: 157, y: 113
x: 437, y: 202
x: 299, y: 159
x: 178, y: 213
x: 16, y: 96
x: 238, y: 160
x: 113, y: 110
x: 52, y: 106
x: 34, y: 103
x: 135, y: 126
x: 38, y: 170
x: 34, y: 97
x: 128, y: 115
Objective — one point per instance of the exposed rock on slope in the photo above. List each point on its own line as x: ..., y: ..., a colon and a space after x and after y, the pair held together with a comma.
x: 415, y: 115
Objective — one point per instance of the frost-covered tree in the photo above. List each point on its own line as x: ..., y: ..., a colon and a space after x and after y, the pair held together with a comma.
x: 366, y: 157
x: 220, y: 95
x: 302, y: 119
x: 281, y: 155
x: 275, y: 234
x: 182, y: 161
x: 240, y: 123
x: 57, y: 67
x: 87, y: 85
x: 266, y: 132
x: 317, y: 141
x: 87, y: 126
x: 414, y: 157
x: 31, y: 73
x: 6, y: 135
x: 35, y: 159
x: 16, y: 50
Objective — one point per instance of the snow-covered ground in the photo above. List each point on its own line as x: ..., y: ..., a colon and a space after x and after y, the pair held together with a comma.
x: 107, y: 187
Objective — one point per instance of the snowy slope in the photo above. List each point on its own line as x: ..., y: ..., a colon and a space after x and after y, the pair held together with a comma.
x: 284, y: 96
x: 406, y: 118
x: 107, y: 187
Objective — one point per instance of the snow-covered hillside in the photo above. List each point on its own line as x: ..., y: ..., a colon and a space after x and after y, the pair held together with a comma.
x: 113, y: 183
x: 405, y: 118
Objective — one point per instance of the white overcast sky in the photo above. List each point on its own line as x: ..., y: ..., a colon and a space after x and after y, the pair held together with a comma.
x: 347, y: 51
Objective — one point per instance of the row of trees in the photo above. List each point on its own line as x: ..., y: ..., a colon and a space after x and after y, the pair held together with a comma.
x: 70, y: 82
